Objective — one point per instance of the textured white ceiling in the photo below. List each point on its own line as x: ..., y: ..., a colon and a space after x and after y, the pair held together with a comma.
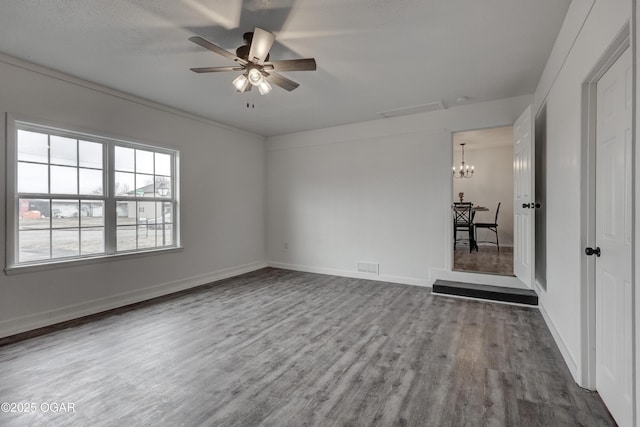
x: 372, y: 55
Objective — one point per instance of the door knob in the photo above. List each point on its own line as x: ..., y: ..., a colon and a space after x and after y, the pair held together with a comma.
x: 526, y: 205
x: 591, y: 251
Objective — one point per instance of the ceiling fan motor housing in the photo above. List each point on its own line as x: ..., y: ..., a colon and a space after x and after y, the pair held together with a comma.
x: 243, y: 51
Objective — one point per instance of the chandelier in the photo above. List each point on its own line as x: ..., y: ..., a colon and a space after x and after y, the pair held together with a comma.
x: 465, y: 170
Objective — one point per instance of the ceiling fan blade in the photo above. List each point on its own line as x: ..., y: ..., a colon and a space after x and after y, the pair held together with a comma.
x: 260, y: 45
x: 215, y: 48
x: 282, y: 81
x: 305, y: 64
x: 215, y: 69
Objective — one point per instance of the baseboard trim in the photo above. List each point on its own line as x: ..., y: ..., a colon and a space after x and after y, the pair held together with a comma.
x: 48, y: 318
x: 564, y: 350
x: 353, y: 274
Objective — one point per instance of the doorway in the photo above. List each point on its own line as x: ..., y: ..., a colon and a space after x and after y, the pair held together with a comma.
x: 486, y: 182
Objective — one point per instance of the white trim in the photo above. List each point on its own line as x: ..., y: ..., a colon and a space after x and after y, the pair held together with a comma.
x: 10, y: 60
x: 569, y: 359
x: 58, y: 263
x: 354, y: 274
x: 635, y: 200
x: 47, y: 318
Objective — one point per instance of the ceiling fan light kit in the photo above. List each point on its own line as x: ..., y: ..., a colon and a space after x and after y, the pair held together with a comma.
x: 252, y: 60
x: 240, y: 83
x: 264, y: 87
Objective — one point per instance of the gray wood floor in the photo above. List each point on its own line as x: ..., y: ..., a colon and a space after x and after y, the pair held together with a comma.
x: 486, y: 260
x: 276, y: 347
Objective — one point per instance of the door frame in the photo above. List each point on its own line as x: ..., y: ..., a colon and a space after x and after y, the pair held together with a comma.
x: 448, y: 273
x: 588, y: 209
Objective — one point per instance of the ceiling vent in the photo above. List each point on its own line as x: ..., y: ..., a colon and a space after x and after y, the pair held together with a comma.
x: 424, y: 108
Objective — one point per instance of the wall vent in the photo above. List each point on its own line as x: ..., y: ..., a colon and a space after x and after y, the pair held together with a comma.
x: 369, y: 267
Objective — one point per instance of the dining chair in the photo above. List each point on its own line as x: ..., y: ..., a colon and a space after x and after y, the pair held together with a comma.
x: 493, y: 226
x: 463, y: 221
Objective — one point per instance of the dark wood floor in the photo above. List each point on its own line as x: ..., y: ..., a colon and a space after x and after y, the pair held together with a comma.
x: 276, y: 347
x: 487, y: 259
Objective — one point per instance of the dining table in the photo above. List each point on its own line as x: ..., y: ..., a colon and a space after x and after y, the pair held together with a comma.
x: 474, y: 209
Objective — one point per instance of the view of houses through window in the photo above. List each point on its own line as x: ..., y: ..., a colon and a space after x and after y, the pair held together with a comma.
x: 79, y: 196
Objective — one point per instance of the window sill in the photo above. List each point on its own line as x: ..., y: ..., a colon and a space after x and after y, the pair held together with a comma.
x: 53, y: 265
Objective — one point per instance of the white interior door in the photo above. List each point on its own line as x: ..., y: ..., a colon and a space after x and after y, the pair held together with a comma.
x: 524, y: 208
x: 614, y: 373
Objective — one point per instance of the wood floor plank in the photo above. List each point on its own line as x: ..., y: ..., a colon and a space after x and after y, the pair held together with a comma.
x: 283, y: 348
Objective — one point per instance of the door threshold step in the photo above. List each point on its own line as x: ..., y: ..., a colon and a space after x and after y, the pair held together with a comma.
x: 485, y: 292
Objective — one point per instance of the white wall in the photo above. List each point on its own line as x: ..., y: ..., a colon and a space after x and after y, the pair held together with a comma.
x: 222, y: 201
x: 636, y: 267
x: 376, y: 191
x: 561, y: 87
x: 491, y: 183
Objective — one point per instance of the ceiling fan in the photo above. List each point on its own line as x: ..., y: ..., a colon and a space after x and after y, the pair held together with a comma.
x: 253, y: 59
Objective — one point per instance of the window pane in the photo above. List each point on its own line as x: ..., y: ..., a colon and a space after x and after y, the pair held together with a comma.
x: 91, y: 213
x: 33, y: 178
x: 33, y: 147
x: 64, y: 213
x: 168, y: 237
x: 146, y: 212
x: 163, y: 164
x: 64, y: 180
x: 90, y: 154
x: 167, y: 212
x: 163, y: 186
x: 144, y: 161
x: 92, y: 240
x: 157, y: 223
x: 124, y: 184
x: 144, y: 186
x: 64, y: 151
x: 122, y: 210
x: 127, y: 213
x: 91, y: 181
x: 65, y: 243
x: 146, y: 238
x: 33, y: 214
x: 33, y: 245
x: 124, y: 160
x: 164, y: 236
x: 126, y: 238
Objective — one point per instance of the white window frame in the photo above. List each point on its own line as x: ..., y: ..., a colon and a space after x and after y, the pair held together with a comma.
x: 15, y: 123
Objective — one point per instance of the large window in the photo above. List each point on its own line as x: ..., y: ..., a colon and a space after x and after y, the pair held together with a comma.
x: 74, y: 196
